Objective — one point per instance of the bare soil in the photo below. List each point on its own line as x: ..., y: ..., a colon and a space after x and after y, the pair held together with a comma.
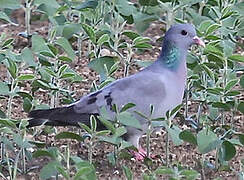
x: 186, y: 155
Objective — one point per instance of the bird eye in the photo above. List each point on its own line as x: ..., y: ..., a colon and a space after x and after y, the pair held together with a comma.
x: 183, y: 32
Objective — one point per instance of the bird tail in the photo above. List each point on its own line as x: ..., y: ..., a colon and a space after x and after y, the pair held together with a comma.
x: 61, y: 116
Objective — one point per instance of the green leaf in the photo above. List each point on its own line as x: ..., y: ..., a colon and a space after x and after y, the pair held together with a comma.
x: 164, y: 170
x: 7, y: 43
x: 86, y: 128
x: 22, y: 143
x: 69, y: 135
x: 231, y: 84
x: 120, y: 131
x: 2, y: 114
x: 49, y: 7
x: 67, y: 75
x: 112, y: 140
x: 242, y: 81
x: 53, y: 49
x: 108, y: 124
x: 208, y: 71
x: 127, y: 172
x: 62, y: 69
x: 124, y: 7
x: 4, y: 89
x: 174, y: 111
x: 12, y: 68
x: 90, y: 32
x: 143, y: 46
x: 103, y: 133
x: 127, y: 119
x: 49, y: 170
x: 212, y: 49
x: 50, y: 72
x: 27, y: 56
x: 93, y: 123
x: 189, y: 174
x: 241, y: 138
x: 40, y: 153
x: 237, y: 58
x: 10, y: 4
x: 226, y: 14
x: 4, y: 16
x: 99, y: 64
x: 212, y: 28
x: 27, y: 105
x: 47, y: 54
x: 207, y: 141
x: 131, y: 34
x: 148, y: 3
x: 140, y: 42
x: 233, y: 93
x: 241, y: 107
x: 221, y: 105
x: 40, y: 84
x: 187, y: 136
x: 38, y: 144
x: 104, y: 38
x: 216, y: 91
x: 228, y: 150
x: 25, y: 77
x: 62, y: 171
x: 64, y: 43
x: 64, y: 59
x: 87, y: 4
x: 7, y: 123
x: 174, y: 133
x: 127, y: 106
x: 70, y: 29
x: 39, y: 44
x: 85, y: 173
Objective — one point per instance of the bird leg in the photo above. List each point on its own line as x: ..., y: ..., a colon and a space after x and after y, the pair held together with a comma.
x: 139, y: 155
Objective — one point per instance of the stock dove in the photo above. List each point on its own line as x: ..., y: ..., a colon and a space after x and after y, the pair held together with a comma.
x: 161, y: 84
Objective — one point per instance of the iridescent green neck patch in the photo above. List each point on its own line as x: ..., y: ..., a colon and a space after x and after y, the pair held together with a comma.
x: 171, y: 56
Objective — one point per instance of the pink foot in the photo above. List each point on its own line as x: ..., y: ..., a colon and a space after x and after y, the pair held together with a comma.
x: 140, y: 154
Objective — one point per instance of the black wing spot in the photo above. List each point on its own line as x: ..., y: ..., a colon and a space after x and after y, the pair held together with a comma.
x: 91, y: 100
x: 109, y: 100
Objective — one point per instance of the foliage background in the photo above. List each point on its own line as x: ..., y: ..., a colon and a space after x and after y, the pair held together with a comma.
x: 47, y: 49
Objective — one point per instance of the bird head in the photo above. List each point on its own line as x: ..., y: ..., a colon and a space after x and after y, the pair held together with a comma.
x: 183, y: 36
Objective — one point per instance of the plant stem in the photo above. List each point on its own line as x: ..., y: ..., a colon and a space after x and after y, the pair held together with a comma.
x: 12, y: 88
x: 80, y: 39
x: 23, y: 155
x: 148, y: 138
x: 202, y: 168
x: 9, y: 166
x: 202, y: 4
x: 90, y: 150
x: 68, y: 158
x: 27, y: 19
x: 186, y: 100
x: 167, y: 149
x: 16, y: 163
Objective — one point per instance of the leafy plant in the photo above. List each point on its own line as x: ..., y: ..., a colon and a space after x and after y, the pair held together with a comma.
x: 108, y: 34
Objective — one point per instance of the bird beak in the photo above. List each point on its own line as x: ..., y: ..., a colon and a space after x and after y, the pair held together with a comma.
x: 198, y: 41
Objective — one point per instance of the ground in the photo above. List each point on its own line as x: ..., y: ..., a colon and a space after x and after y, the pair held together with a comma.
x: 186, y: 154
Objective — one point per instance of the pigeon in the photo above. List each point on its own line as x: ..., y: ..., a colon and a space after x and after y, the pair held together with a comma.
x: 161, y: 84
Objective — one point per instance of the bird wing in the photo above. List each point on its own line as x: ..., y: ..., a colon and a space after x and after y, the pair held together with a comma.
x: 142, y: 89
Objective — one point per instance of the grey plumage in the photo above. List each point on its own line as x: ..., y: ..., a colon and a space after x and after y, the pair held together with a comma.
x: 161, y: 84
